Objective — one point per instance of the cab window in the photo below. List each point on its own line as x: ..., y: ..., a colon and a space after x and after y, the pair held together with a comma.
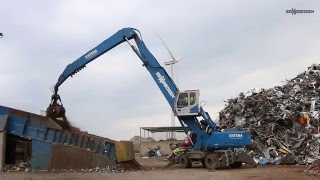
x: 192, y: 98
x: 182, y: 100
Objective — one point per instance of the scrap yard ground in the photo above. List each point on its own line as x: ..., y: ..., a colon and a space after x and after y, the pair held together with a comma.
x: 154, y: 170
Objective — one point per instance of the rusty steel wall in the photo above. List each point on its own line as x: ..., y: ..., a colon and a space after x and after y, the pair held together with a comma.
x: 124, y: 151
x: 57, y: 156
x: 71, y: 158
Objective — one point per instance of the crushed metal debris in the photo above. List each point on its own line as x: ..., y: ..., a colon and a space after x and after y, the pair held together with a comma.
x: 116, y: 168
x: 314, y: 168
x: 19, y: 166
x: 283, y: 121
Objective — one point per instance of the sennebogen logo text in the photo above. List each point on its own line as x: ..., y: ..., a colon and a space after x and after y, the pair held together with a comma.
x: 295, y: 11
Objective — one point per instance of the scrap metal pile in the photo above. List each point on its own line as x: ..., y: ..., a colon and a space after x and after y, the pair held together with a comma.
x: 283, y: 121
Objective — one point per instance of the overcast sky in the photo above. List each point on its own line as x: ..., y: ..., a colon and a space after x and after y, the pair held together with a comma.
x: 227, y: 47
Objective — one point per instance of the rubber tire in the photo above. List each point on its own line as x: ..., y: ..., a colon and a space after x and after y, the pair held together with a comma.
x: 203, y: 162
x: 209, y: 160
x: 236, y: 165
x: 184, y: 162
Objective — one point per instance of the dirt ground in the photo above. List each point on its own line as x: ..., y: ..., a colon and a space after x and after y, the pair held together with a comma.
x: 153, y: 169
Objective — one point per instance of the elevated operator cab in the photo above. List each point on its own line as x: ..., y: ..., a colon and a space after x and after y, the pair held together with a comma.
x: 187, y: 103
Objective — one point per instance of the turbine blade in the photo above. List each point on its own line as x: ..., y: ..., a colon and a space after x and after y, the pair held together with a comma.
x: 178, y: 58
x: 170, y: 53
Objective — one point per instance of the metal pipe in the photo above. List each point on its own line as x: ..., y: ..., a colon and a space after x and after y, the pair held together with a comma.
x: 313, y: 104
x: 2, y: 149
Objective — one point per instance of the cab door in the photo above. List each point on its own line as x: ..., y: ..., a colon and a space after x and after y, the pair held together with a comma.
x: 187, y: 103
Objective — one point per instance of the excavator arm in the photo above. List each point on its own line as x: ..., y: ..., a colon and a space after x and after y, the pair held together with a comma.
x: 113, y: 41
x: 163, y: 80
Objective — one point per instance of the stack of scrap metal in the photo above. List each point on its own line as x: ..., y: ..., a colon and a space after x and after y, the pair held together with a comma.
x: 283, y: 121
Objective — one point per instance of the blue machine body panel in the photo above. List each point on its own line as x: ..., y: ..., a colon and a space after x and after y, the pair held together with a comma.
x: 194, y: 109
x: 166, y: 85
x: 228, y: 139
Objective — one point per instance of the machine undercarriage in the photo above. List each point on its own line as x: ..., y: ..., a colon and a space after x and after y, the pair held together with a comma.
x: 211, y: 159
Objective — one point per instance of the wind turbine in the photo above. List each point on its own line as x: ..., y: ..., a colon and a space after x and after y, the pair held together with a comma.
x: 171, y: 63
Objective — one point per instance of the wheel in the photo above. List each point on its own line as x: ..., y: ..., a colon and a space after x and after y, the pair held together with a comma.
x: 236, y: 165
x: 184, y: 162
x: 203, y: 162
x: 210, y: 161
